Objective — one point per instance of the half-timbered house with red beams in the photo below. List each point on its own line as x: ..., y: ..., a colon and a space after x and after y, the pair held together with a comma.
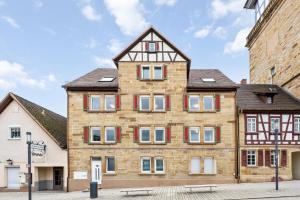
x: 152, y: 121
x: 263, y: 108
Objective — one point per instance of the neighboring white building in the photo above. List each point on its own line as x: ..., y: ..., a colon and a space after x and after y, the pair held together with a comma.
x: 50, y: 170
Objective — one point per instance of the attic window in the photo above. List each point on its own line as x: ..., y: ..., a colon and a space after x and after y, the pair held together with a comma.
x: 106, y: 79
x: 269, y: 99
x: 208, y: 80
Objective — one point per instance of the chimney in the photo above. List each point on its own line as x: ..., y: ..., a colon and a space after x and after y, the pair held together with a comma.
x: 243, y: 81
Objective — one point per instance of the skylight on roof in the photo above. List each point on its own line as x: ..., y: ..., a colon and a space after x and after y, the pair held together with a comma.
x: 106, y: 79
x: 208, y: 80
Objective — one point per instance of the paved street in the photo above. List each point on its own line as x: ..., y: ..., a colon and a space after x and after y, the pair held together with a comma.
x: 288, y: 191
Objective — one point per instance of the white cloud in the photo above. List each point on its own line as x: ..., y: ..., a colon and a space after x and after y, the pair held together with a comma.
x: 91, y: 44
x: 220, y: 32
x: 103, y: 62
x: 115, y: 46
x: 129, y: 15
x: 221, y: 8
x: 165, y: 2
x: 238, y: 44
x: 49, y: 30
x: 14, y: 74
x: 90, y: 13
x: 38, y: 4
x: 11, y: 21
x: 203, y: 32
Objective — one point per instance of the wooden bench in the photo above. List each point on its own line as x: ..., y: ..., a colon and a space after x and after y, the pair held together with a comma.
x: 191, y: 187
x: 136, y: 190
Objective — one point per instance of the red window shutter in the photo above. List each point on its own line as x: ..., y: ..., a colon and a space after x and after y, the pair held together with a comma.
x: 267, y: 158
x: 157, y: 46
x: 168, y: 136
x: 244, y: 158
x: 136, y: 134
x: 138, y: 72
x: 118, y: 102
x: 168, y: 102
x: 85, y: 102
x: 165, y: 71
x: 218, y: 134
x: 147, y: 46
x: 283, y: 158
x: 86, y: 131
x: 118, y: 130
x: 185, y: 102
x: 260, y: 157
x: 135, y: 102
x: 186, y: 135
x: 217, y: 102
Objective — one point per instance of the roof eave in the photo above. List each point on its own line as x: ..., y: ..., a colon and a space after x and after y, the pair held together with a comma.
x: 221, y: 89
x: 104, y: 89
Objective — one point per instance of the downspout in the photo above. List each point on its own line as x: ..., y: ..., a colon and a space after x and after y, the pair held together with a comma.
x: 68, y: 162
x: 238, y: 173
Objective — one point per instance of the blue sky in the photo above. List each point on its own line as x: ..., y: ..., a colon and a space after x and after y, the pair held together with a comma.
x: 44, y: 43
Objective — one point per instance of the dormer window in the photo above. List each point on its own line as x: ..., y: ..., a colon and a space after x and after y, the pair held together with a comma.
x: 206, y: 80
x: 106, y: 79
x: 269, y: 100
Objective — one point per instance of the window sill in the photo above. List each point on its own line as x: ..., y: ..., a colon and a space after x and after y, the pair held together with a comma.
x: 252, y: 166
x: 159, y: 143
x: 110, y: 174
x: 150, y: 80
x: 190, y: 111
x: 14, y: 138
x: 101, y: 111
x: 101, y: 143
x: 202, y: 174
x: 152, y: 174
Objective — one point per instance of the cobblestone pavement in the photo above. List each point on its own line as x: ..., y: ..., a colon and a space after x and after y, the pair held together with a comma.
x: 289, y: 190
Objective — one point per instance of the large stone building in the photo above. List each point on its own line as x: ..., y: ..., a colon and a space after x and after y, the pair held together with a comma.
x: 274, y: 43
x: 152, y: 121
x: 263, y: 108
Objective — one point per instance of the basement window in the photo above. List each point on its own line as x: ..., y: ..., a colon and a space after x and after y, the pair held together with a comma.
x: 106, y: 79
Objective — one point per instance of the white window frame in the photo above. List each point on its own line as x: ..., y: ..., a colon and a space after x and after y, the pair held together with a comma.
x: 212, y: 103
x: 297, y: 124
x: 251, y: 123
x: 155, y: 170
x: 273, y: 154
x: 213, y: 171
x: 106, y: 163
x: 164, y: 102
x: 9, y: 132
x: 164, y: 134
x: 213, y: 132
x: 105, y: 102
x: 140, y: 102
x: 272, y: 119
x: 142, y: 170
x: 152, y: 50
x: 190, y: 134
x: 91, y: 102
x: 142, y: 72
x: 140, y: 134
x: 192, y: 109
x: 250, y: 153
x: 91, y: 134
x: 161, y: 74
x: 110, y: 128
x: 198, y: 159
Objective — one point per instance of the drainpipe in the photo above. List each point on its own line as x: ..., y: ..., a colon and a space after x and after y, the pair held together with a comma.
x: 238, y: 176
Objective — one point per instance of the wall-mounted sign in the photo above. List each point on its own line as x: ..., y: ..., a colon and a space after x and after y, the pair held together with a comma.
x: 38, y: 149
x: 80, y: 175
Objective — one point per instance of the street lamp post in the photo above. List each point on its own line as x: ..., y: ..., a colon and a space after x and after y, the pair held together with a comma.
x: 29, y: 175
x: 276, y: 158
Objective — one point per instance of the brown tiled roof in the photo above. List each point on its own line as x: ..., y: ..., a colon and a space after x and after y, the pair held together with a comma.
x: 248, y: 98
x: 90, y: 81
x: 53, y: 123
x: 222, y: 82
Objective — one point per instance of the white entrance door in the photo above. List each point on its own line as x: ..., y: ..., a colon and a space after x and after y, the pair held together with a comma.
x: 96, y: 171
x: 13, y: 179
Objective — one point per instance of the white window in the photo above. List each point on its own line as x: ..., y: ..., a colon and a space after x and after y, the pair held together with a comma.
x: 15, y: 133
x: 251, y: 125
x: 146, y: 165
x: 95, y: 134
x: 251, y: 158
x: 94, y: 102
x: 159, y: 103
x: 269, y: 100
x: 273, y: 158
x: 159, y: 165
x: 209, y: 165
x: 209, y: 135
x: 110, y: 102
x: 146, y: 72
x: 96, y: 171
x: 110, y: 135
x: 208, y: 102
x: 110, y: 165
x: 194, y: 134
x: 151, y: 46
x: 194, y: 103
x: 195, y: 165
x: 297, y: 125
x: 144, y: 103
x: 159, y: 135
x: 158, y: 72
x: 145, y: 135
x: 275, y: 123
